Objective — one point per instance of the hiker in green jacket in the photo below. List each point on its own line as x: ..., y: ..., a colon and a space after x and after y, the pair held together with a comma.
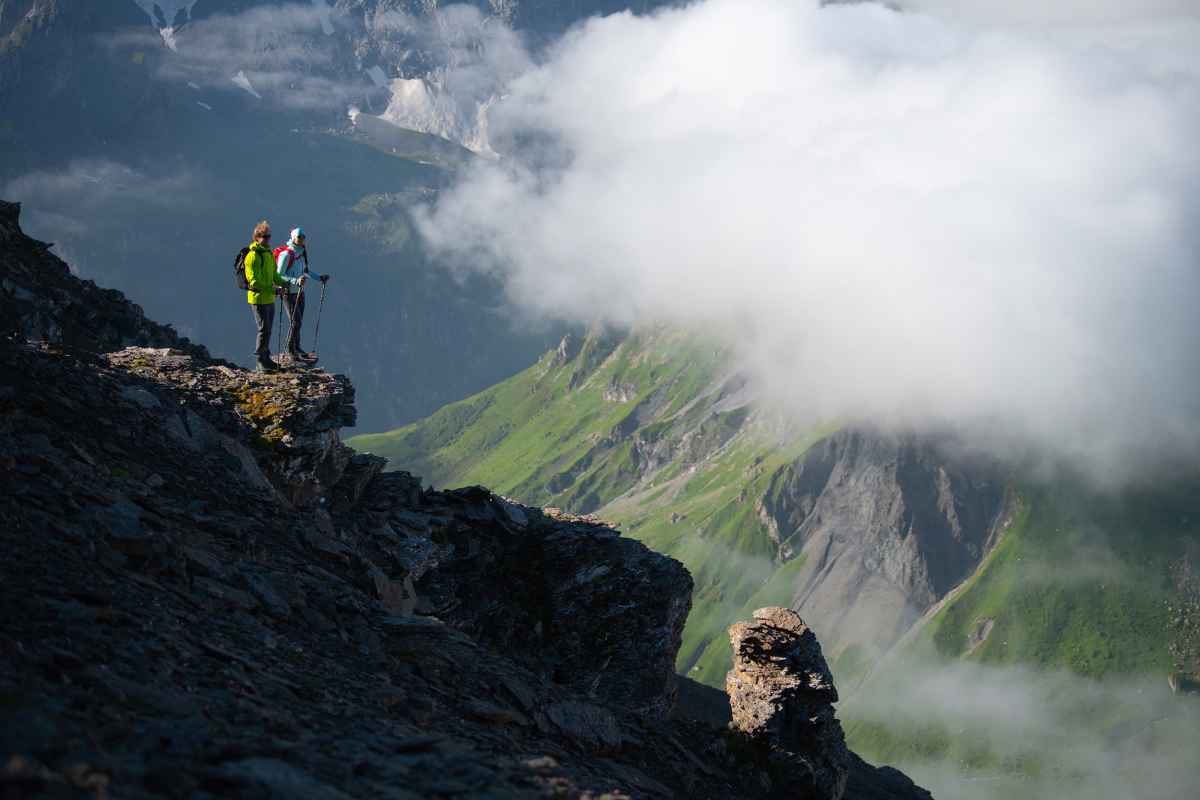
x: 262, y: 278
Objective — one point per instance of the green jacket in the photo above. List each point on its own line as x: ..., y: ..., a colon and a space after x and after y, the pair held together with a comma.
x: 261, y: 275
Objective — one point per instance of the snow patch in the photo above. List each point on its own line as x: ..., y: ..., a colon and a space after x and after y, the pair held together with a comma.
x: 420, y: 104
x: 168, y: 37
x: 194, y: 86
x: 243, y: 82
x: 205, y: 106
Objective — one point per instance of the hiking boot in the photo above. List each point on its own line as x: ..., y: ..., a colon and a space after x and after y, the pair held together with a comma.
x: 300, y: 355
x: 266, y: 365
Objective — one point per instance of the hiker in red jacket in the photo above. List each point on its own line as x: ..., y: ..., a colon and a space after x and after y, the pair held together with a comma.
x: 288, y: 264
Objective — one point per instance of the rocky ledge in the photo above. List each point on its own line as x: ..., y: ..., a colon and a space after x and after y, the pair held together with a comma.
x: 206, y: 594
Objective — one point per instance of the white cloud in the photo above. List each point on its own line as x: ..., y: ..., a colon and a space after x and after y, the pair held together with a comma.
x: 74, y: 204
x: 88, y: 187
x: 1066, y: 12
x: 891, y: 215
x: 284, y: 54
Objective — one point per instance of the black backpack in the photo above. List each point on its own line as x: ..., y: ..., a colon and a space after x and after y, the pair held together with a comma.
x: 239, y: 269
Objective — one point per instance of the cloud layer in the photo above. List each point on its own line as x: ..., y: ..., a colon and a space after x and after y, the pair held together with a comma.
x: 900, y: 216
x: 283, y: 53
x: 1074, y: 738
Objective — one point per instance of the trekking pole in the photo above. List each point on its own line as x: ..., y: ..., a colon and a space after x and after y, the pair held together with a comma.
x: 321, y: 307
x: 293, y: 334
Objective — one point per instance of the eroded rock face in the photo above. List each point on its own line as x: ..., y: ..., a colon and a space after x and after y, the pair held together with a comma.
x: 781, y: 693
x: 887, y: 525
x: 569, y: 597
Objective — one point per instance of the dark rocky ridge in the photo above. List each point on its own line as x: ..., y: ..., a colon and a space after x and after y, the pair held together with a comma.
x: 206, y: 594
x: 41, y: 300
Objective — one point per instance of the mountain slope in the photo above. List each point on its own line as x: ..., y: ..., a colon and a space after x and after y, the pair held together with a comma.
x: 859, y: 530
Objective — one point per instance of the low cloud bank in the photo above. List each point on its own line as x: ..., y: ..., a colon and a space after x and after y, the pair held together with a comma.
x: 967, y: 220
x: 975, y: 732
x: 90, y: 198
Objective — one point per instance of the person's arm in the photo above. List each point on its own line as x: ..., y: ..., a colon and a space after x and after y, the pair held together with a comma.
x: 321, y: 278
x: 281, y: 266
x: 278, y: 279
x: 252, y: 277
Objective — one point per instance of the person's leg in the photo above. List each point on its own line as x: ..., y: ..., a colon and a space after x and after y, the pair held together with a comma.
x: 264, y: 315
x: 296, y: 312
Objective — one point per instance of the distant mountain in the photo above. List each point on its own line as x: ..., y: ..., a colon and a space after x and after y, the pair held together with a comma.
x: 145, y: 138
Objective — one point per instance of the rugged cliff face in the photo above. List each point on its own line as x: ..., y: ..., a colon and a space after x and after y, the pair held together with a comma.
x: 886, y: 525
x: 206, y: 594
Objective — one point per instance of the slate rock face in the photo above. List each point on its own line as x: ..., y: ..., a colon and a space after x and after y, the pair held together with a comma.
x: 781, y: 693
x: 602, y: 613
x: 292, y: 419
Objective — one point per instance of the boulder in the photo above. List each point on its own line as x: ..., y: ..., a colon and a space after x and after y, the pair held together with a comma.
x: 781, y: 695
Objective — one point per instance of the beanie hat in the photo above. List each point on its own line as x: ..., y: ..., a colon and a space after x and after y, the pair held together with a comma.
x: 296, y: 234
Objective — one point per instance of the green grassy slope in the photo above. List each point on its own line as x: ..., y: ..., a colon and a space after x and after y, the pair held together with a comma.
x: 1083, y: 588
x: 551, y: 426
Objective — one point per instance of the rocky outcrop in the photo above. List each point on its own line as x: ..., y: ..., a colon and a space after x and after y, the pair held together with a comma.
x: 293, y: 421
x: 781, y: 693
x: 1183, y: 621
x: 386, y: 641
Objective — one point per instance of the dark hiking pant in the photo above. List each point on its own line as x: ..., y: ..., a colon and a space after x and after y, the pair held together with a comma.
x: 295, y: 309
x: 264, y: 315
